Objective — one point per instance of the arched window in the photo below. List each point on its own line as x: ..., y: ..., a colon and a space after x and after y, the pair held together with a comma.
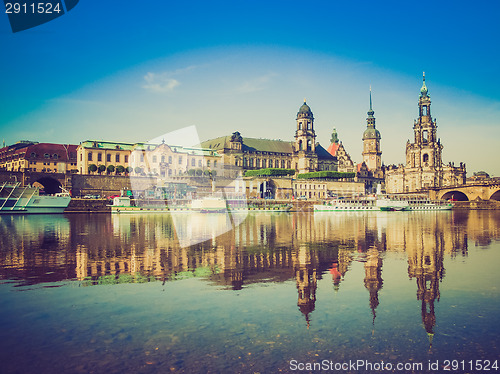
x: 425, y: 158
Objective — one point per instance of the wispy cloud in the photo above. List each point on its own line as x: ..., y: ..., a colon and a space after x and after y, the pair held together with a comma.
x: 166, y: 81
x: 159, y: 83
x: 256, y: 84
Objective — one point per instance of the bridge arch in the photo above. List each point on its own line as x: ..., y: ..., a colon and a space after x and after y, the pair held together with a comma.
x: 267, y: 189
x: 455, y: 195
x: 495, y: 196
x: 50, y: 185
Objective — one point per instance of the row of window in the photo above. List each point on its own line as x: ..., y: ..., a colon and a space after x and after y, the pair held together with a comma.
x: 311, y: 186
x: 108, y: 157
x: 258, y: 163
x: 154, y: 159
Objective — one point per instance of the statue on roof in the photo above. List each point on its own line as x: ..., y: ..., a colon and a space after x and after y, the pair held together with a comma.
x: 335, y: 137
x: 236, y: 137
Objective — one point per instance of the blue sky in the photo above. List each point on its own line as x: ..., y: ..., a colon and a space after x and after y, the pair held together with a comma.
x: 131, y: 71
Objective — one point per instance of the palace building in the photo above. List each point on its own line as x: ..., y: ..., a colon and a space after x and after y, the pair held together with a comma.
x: 303, y: 154
x: 424, y: 168
x: 143, y: 159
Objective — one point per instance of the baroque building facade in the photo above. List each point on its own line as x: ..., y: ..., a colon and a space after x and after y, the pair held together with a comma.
x: 337, y: 149
x: 144, y: 159
x: 303, y: 154
x: 424, y: 168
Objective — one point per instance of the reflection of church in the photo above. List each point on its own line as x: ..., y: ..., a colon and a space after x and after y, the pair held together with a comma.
x: 306, y: 276
x: 373, y: 277
x: 426, y: 265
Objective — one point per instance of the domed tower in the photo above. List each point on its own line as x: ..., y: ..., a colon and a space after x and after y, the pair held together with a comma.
x: 372, y: 155
x: 304, y: 150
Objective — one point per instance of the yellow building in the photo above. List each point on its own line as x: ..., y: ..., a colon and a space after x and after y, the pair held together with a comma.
x: 143, y: 159
x: 39, y: 157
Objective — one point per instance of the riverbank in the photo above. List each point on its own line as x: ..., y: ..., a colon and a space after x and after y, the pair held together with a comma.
x: 78, y: 205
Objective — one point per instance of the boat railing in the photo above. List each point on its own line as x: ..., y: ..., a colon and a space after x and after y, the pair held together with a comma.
x: 8, y: 197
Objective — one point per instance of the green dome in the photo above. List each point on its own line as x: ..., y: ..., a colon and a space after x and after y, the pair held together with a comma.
x: 371, y: 133
x: 423, y: 90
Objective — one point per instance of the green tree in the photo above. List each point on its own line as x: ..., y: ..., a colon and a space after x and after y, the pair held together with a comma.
x: 129, y: 169
x: 199, y: 172
x: 138, y: 170
x: 101, y: 168
x: 191, y: 172
x: 92, y: 168
x: 110, y: 169
x: 120, y: 169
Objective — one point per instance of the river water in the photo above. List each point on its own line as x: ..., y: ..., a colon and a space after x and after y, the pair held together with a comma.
x: 279, y: 292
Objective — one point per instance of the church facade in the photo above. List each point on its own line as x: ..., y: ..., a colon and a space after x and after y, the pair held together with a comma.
x: 424, y: 167
x: 303, y: 154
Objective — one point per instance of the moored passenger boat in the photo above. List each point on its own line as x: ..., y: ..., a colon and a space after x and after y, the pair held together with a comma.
x: 382, y: 203
x: 16, y: 199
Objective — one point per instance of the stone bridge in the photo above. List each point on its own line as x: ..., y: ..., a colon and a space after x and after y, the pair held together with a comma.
x: 487, y: 190
x: 50, y: 181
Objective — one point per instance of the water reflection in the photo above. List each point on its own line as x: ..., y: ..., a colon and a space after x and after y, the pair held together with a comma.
x: 266, y: 247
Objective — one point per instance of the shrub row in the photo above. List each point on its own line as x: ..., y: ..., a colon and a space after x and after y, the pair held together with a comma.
x: 275, y: 172
x: 326, y: 174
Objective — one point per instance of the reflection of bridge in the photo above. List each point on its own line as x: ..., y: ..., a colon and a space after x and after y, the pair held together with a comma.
x: 487, y: 190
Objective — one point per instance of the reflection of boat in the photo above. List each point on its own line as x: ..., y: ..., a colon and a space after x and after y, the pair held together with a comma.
x: 15, y: 199
x: 270, y: 207
x: 382, y: 203
x: 209, y: 205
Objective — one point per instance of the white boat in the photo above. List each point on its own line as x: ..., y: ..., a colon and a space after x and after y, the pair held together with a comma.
x: 382, y: 203
x: 122, y: 204
x: 16, y: 199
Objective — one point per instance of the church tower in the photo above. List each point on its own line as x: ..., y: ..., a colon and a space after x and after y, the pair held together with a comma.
x: 372, y: 155
x: 425, y: 152
x: 304, y: 152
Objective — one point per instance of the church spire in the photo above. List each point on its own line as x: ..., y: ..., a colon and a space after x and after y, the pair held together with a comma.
x: 371, y: 112
x: 423, y: 90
